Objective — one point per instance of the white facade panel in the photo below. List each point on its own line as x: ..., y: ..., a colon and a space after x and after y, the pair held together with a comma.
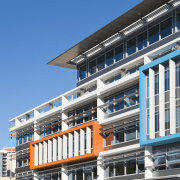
x: 60, y: 148
x: 54, y: 149
x: 82, y: 141
x: 88, y: 140
x: 49, y: 150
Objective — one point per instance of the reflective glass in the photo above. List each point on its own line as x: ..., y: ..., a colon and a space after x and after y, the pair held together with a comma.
x: 130, y: 132
x: 142, y: 41
x: 17, y: 141
x: 140, y: 163
x: 177, y: 76
x: 101, y: 62
x: 166, y: 28
x: 71, y: 175
x: 159, y: 159
x: 130, y: 101
x: 119, y: 135
x: 57, y: 104
x: 156, y: 121
x: 48, y: 177
x: 131, y: 166
x: 20, y: 139
x: 119, y: 105
x: 55, y: 128
x: 92, y: 67
x: 25, y: 163
x: 131, y: 71
x: 177, y: 116
x: 83, y: 72
x: 178, y: 21
x: 88, y: 173
x: 119, y: 53
x: 25, y: 137
x: 48, y: 130
x: 156, y: 78
x: 55, y: 176
x: 154, y: 34
x: 167, y: 80
x: 79, y: 174
x: 167, y: 119
x: 119, y: 167
x: 173, y: 157
x: 30, y: 136
x: 95, y: 172
x: 110, y: 58
x: 131, y: 46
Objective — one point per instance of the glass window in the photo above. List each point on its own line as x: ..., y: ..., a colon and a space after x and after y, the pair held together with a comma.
x: 71, y: 175
x: 177, y: 76
x: 88, y: 173
x: 131, y: 71
x: 48, y: 177
x: 31, y: 115
x: 55, y: 128
x: 79, y: 174
x: 174, y: 157
x: 95, y: 172
x: 83, y: 72
x: 17, y: 141
x: 167, y: 119
x: 77, y: 75
x: 57, y: 104
x: 156, y: 121
x: 119, y: 167
x: 55, y: 176
x: 166, y: 28
x: 20, y: 139
x: 101, y: 62
x: 48, y: 130
x: 110, y: 58
x: 119, y: 135
x: 25, y: 137
x: 45, y: 109
x: 30, y: 136
x: 109, y: 169
x: 154, y: 34
x: 140, y: 163
x: 25, y: 163
x: 131, y: 46
x: 177, y: 116
x: 131, y: 166
x: 119, y: 53
x: 130, y: 132
x: 119, y: 105
x: 92, y: 67
x: 178, y: 21
x: 142, y: 41
x: 167, y: 80
x: 159, y: 159
x: 130, y: 101
x: 156, y: 77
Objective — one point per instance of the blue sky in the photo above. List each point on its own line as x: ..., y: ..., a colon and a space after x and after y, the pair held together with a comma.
x: 32, y: 33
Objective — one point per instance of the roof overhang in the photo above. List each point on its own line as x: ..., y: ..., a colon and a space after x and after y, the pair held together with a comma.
x: 131, y: 16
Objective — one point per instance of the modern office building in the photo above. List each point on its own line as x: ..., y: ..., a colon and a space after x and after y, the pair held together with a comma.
x: 122, y: 121
x: 6, y: 168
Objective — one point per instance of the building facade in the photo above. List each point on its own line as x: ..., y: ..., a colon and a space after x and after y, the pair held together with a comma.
x: 122, y: 121
x: 6, y: 168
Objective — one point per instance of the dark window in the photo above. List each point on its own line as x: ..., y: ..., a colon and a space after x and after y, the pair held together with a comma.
x: 79, y: 174
x: 142, y: 41
x: 166, y: 28
x: 178, y: 21
x: 119, y: 166
x: 83, y: 72
x: 119, y: 53
x: 167, y: 80
x: 177, y: 76
x: 110, y: 58
x: 130, y: 132
x: 101, y: 62
x: 87, y: 173
x: 119, y: 135
x: 156, y: 121
x: 167, y: 119
x: 92, y: 67
x: 131, y: 46
x: 154, y: 34
x: 156, y: 83
x: 131, y: 166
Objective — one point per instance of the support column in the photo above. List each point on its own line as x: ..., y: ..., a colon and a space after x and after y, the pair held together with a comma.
x: 36, y: 175
x: 161, y: 101
x: 88, y: 140
x: 82, y: 145
x: 148, y: 162
x: 152, y: 103
x: 76, y: 143
x: 49, y: 150
x: 64, y: 174
x: 100, y: 168
x: 54, y: 149
x: 40, y: 153
x: 45, y: 151
x: 70, y: 145
x: 172, y: 83
x: 64, y: 123
x: 59, y: 147
x: 64, y: 146
x: 36, y: 154
x: 100, y: 112
x: 147, y: 60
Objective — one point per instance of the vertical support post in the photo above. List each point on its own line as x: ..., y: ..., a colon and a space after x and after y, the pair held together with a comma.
x: 70, y: 145
x: 100, y: 168
x: 40, y: 153
x: 152, y: 103
x: 36, y: 154
x: 148, y: 162
x: 64, y: 146
x: 82, y: 145
x: 172, y: 83
x: 161, y: 101
x: 100, y: 113
x: 76, y: 143
x: 11, y: 159
x: 49, y: 150
x: 64, y: 174
x: 59, y: 147
x: 45, y: 151
x: 54, y: 149
x: 88, y: 140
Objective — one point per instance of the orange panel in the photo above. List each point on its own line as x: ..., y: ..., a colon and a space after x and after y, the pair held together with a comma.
x: 97, y: 146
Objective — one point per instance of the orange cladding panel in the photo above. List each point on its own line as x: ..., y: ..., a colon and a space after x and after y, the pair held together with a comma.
x: 97, y: 146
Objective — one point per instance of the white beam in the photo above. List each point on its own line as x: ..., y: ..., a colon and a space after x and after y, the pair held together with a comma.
x: 40, y: 153
x: 54, y: 149
x: 36, y: 154
x: 45, y: 151
x: 49, y: 150
x: 64, y: 146
x: 76, y: 143
x: 82, y: 145
x: 70, y: 145
x: 59, y: 147
x: 172, y: 83
x: 161, y: 100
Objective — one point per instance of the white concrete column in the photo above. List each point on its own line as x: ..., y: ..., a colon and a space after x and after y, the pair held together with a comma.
x: 148, y: 162
x: 64, y: 146
x: 100, y: 83
x: 152, y: 103
x: 40, y: 153
x: 100, y: 112
x: 88, y: 140
x: 36, y: 175
x: 64, y: 123
x: 36, y: 154
x: 54, y: 149
x: 59, y: 147
x: 100, y: 168
x: 70, y: 135
x: 49, y: 150
x: 82, y: 145
x: 76, y: 143
x: 17, y: 121
x: 172, y: 83
x: 64, y: 173
x: 64, y: 100
x: 36, y: 135
x: 147, y: 60
x: 161, y: 100
x: 45, y: 151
